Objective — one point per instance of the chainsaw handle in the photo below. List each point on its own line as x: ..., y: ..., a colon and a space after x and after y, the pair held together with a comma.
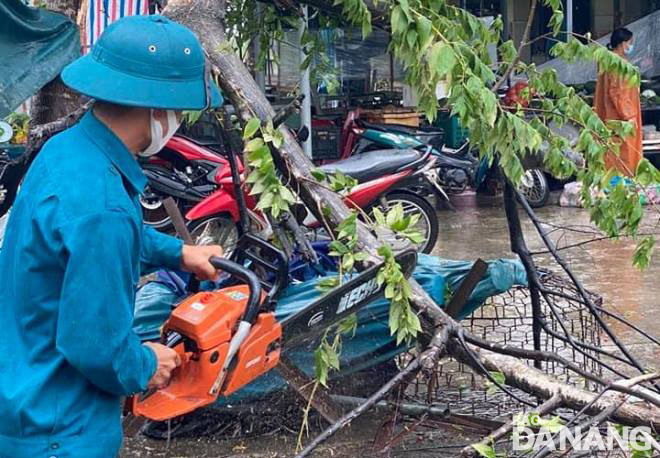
x: 245, y: 275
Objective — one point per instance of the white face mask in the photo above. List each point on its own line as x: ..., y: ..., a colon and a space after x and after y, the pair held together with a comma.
x: 158, y: 139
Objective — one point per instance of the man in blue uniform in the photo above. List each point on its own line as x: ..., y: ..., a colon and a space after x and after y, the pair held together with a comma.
x: 75, y: 247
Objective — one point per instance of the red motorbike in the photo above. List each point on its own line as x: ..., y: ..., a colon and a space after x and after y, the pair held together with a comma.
x: 392, y: 177
x: 199, y: 179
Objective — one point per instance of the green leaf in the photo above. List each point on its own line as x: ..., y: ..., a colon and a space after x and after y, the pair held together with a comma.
x: 338, y: 248
x: 360, y: 256
x: 499, y: 379
x: 319, y: 175
x: 254, y: 145
x: 394, y: 214
x: 190, y: 117
x: 398, y: 20
x: 287, y: 195
x: 643, y: 252
x: 327, y: 283
x: 253, y: 177
x: 411, y: 38
x: 406, y: 9
x: 348, y: 325
x: 484, y: 450
x: 348, y: 262
x: 366, y: 24
x: 401, y: 225
x: 321, y: 366
x: 333, y: 358
x: 442, y: 58
x: 554, y: 424
x: 490, y: 104
x: 251, y: 128
x: 508, y: 51
x: 266, y: 200
x: 557, y: 21
x: 379, y: 217
x: 385, y: 251
x: 415, y: 237
x: 423, y: 29
x: 278, y: 139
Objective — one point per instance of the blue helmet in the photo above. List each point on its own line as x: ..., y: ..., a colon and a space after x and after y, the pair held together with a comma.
x: 145, y: 61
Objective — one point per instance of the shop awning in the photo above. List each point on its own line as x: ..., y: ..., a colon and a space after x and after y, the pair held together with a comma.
x: 35, y: 45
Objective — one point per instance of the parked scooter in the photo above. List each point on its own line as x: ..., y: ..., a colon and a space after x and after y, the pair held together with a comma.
x: 457, y: 169
x: 392, y: 177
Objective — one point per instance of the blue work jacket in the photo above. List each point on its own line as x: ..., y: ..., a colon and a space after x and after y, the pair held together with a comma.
x: 73, y: 253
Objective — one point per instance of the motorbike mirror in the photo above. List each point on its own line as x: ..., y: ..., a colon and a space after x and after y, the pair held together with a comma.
x: 302, y: 134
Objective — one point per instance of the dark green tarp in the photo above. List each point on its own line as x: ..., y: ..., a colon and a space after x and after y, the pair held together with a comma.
x: 35, y: 45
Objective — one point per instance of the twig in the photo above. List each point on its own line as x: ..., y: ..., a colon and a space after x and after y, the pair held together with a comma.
x: 589, y: 303
x: 353, y: 414
x: 39, y: 134
x: 595, y: 421
x: 601, y: 417
x: 548, y: 406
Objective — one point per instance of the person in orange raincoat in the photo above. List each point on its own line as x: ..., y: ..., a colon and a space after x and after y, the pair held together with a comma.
x: 618, y: 99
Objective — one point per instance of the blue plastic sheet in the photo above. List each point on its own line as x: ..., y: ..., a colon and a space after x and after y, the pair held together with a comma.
x: 372, y: 343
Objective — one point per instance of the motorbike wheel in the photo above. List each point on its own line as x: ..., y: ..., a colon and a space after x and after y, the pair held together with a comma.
x: 534, y: 186
x: 427, y: 225
x: 215, y: 230
x: 153, y: 210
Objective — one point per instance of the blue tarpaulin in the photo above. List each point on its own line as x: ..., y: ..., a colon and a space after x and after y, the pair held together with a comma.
x: 372, y: 342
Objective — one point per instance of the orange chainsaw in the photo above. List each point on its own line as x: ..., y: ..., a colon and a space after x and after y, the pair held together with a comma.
x: 228, y: 337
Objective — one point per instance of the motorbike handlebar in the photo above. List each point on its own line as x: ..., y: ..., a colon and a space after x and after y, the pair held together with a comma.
x: 247, y: 276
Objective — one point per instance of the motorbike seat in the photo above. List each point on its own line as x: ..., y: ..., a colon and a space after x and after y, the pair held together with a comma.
x: 374, y: 164
x: 429, y: 135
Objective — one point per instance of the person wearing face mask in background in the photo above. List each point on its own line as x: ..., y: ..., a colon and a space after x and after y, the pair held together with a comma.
x: 75, y: 247
x: 618, y: 99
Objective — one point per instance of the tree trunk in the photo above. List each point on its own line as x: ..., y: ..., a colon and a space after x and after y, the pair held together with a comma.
x: 55, y: 100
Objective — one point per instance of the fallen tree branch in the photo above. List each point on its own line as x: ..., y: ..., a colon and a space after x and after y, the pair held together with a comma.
x: 403, y: 407
x: 41, y: 133
x: 530, y: 380
x: 518, y: 352
x: 562, y: 263
x: 547, y: 407
x: 598, y: 419
x: 353, y: 414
